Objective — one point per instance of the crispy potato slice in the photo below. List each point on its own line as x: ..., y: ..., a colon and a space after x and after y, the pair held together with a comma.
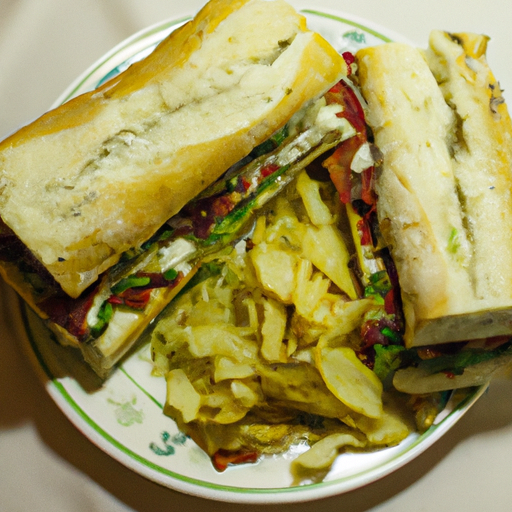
x: 299, y: 385
x: 272, y: 331
x: 346, y: 316
x: 247, y: 396
x: 182, y: 396
x: 350, y: 380
x: 309, y: 289
x: 309, y: 190
x: 219, y: 340
x: 222, y: 407
x: 227, y: 368
x: 275, y: 270
x: 325, y: 248
x: 322, y: 454
x: 392, y: 427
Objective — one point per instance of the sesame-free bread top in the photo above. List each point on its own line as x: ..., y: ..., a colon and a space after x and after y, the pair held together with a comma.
x: 444, y: 187
x: 101, y: 173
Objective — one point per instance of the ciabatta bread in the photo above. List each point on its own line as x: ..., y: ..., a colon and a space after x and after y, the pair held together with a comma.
x: 444, y: 188
x: 100, y: 174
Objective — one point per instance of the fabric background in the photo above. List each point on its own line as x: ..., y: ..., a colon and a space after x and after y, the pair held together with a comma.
x: 46, y: 465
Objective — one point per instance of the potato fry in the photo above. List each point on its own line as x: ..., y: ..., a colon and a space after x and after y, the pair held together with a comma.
x: 182, y: 396
x: 350, y: 380
x: 272, y: 331
x: 309, y: 191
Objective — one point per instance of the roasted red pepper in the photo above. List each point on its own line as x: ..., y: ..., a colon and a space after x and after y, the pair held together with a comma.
x: 339, y: 163
x: 71, y: 314
x: 224, y: 458
x: 353, y: 112
x: 139, y: 296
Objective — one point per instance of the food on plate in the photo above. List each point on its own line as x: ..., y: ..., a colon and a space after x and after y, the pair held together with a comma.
x: 311, y: 329
x: 444, y: 209
x: 321, y: 224
x: 263, y: 349
x: 86, y: 189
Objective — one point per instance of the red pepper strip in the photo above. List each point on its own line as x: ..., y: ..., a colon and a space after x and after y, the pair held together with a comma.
x: 368, y: 189
x: 138, y: 297
x: 389, y: 302
x: 268, y: 170
x: 364, y: 232
x: 349, y: 59
x: 223, y: 458
x: 133, y: 298
x: 338, y: 165
x: 71, y: 314
x: 245, y: 184
x: 353, y: 112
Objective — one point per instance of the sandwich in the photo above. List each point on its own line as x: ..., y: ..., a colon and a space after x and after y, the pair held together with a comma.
x: 87, y: 190
x: 444, y: 205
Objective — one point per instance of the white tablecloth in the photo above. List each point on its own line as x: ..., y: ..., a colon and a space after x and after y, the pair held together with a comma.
x: 46, y: 465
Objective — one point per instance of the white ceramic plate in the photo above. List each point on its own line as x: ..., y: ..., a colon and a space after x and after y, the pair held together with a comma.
x: 124, y: 416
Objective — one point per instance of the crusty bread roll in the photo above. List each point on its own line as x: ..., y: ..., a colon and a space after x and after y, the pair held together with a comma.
x: 444, y: 188
x: 98, y: 175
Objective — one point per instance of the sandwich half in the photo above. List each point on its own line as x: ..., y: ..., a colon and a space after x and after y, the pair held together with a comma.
x: 444, y: 189
x: 86, y: 188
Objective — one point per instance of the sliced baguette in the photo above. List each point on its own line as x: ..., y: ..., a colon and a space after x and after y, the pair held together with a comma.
x: 445, y: 185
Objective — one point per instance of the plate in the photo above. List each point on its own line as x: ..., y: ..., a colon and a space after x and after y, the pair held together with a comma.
x: 124, y: 416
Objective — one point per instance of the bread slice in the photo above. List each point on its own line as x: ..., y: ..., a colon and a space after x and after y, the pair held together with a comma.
x: 100, y: 174
x: 445, y: 185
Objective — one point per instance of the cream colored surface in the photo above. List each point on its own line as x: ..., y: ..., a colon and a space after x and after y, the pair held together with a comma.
x: 47, y: 465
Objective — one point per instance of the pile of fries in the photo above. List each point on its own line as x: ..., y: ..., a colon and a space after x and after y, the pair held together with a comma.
x: 260, y: 352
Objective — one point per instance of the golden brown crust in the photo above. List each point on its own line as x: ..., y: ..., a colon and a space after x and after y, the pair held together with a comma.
x: 103, y: 172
